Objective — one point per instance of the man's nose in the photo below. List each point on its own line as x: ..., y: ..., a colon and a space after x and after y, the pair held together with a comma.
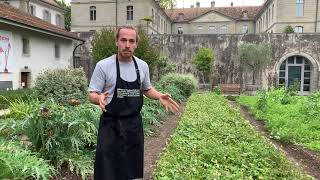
x: 127, y: 43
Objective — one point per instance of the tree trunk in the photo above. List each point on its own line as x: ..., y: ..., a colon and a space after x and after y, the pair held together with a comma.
x: 203, y: 79
x: 253, y: 78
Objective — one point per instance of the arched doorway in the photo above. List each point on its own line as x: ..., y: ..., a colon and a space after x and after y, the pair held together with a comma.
x: 296, y: 71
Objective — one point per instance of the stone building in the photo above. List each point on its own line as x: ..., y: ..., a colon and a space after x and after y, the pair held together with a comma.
x: 272, y: 17
x: 275, y: 15
x: 88, y: 15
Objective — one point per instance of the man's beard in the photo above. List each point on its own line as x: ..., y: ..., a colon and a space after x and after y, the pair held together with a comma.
x: 126, y: 53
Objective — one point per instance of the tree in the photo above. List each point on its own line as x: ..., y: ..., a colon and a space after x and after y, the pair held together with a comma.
x: 254, y: 57
x: 147, y: 51
x: 67, y: 15
x: 147, y: 19
x: 289, y: 29
x: 203, y: 60
x: 103, y: 44
x: 168, y: 4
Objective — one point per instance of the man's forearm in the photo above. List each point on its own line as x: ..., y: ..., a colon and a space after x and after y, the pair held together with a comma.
x: 152, y: 94
x: 94, y: 98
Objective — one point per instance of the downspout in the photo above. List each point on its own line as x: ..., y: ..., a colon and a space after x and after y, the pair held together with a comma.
x: 316, y: 22
x: 73, y: 54
x: 116, y: 13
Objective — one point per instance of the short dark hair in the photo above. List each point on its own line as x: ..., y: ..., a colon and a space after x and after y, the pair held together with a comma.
x: 127, y: 27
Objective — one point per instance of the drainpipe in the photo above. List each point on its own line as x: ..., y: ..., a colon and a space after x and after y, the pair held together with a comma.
x: 316, y: 23
x: 116, y: 14
x: 73, y: 54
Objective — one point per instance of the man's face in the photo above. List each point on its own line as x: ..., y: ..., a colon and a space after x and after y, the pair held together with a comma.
x: 126, y: 43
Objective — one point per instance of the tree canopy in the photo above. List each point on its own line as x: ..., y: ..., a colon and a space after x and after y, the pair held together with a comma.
x: 254, y: 57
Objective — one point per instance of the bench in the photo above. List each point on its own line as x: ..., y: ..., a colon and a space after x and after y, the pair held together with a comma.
x: 230, y: 89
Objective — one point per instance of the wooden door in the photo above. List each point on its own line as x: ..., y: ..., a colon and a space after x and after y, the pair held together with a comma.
x: 24, y: 79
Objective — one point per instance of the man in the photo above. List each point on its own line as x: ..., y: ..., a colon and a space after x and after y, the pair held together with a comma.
x: 117, y: 86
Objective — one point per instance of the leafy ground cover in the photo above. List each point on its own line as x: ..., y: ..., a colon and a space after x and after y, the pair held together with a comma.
x: 213, y: 141
x: 295, y: 120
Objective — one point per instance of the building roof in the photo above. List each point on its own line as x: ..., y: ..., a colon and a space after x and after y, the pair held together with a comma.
x: 190, y: 14
x: 14, y: 16
x: 53, y: 3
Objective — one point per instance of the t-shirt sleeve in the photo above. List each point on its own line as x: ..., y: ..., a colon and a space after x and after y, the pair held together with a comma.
x: 146, y: 84
x: 98, y: 79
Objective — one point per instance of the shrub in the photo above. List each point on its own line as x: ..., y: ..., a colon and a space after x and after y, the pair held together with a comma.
x: 18, y: 163
x: 164, y: 66
x: 312, y: 105
x: 59, y: 133
x: 288, y: 29
x: 103, y: 44
x: 262, y: 103
x: 62, y: 85
x: 146, y: 51
x: 187, y: 83
x: 216, y: 90
x: 203, y: 60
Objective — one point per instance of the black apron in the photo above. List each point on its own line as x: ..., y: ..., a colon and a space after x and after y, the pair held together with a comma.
x: 119, y: 153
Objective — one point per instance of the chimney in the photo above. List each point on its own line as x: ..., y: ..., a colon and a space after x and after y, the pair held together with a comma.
x: 192, y: 6
x: 198, y: 4
x: 213, y: 4
x: 24, y: 4
x: 231, y: 4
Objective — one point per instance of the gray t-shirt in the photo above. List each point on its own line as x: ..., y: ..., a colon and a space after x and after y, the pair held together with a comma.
x: 104, y: 76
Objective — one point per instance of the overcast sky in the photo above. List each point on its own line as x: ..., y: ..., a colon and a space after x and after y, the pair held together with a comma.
x: 219, y: 3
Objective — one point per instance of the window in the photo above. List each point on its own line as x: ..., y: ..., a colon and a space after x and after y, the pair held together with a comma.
x: 245, y: 14
x: 245, y: 29
x: 32, y: 10
x: 152, y: 16
x: 47, y: 16
x: 299, y: 7
x: 272, y: 12
x: 211, y: 28
x: 181, y: 16
x: 180, y: 30
x: 298, y: 29
x: 129, y: 13
x: 56, y: 50
x: 59, y: 20
x: 25, y: 46
x: 223, y: 29
x: 93, y: 13
x: 200, y: 27
x: 267, y: 19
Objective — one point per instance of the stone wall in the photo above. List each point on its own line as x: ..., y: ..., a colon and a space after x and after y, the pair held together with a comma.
x: 181, y: 48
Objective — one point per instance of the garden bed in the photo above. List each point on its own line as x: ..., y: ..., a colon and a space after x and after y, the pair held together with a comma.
x: 215, y: 141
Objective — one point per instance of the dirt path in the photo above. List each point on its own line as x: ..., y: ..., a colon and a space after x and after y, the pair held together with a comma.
x: 306, y: 159
x: 155, y: 144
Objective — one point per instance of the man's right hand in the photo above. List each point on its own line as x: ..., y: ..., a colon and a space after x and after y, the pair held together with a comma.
x: 102, y: 101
